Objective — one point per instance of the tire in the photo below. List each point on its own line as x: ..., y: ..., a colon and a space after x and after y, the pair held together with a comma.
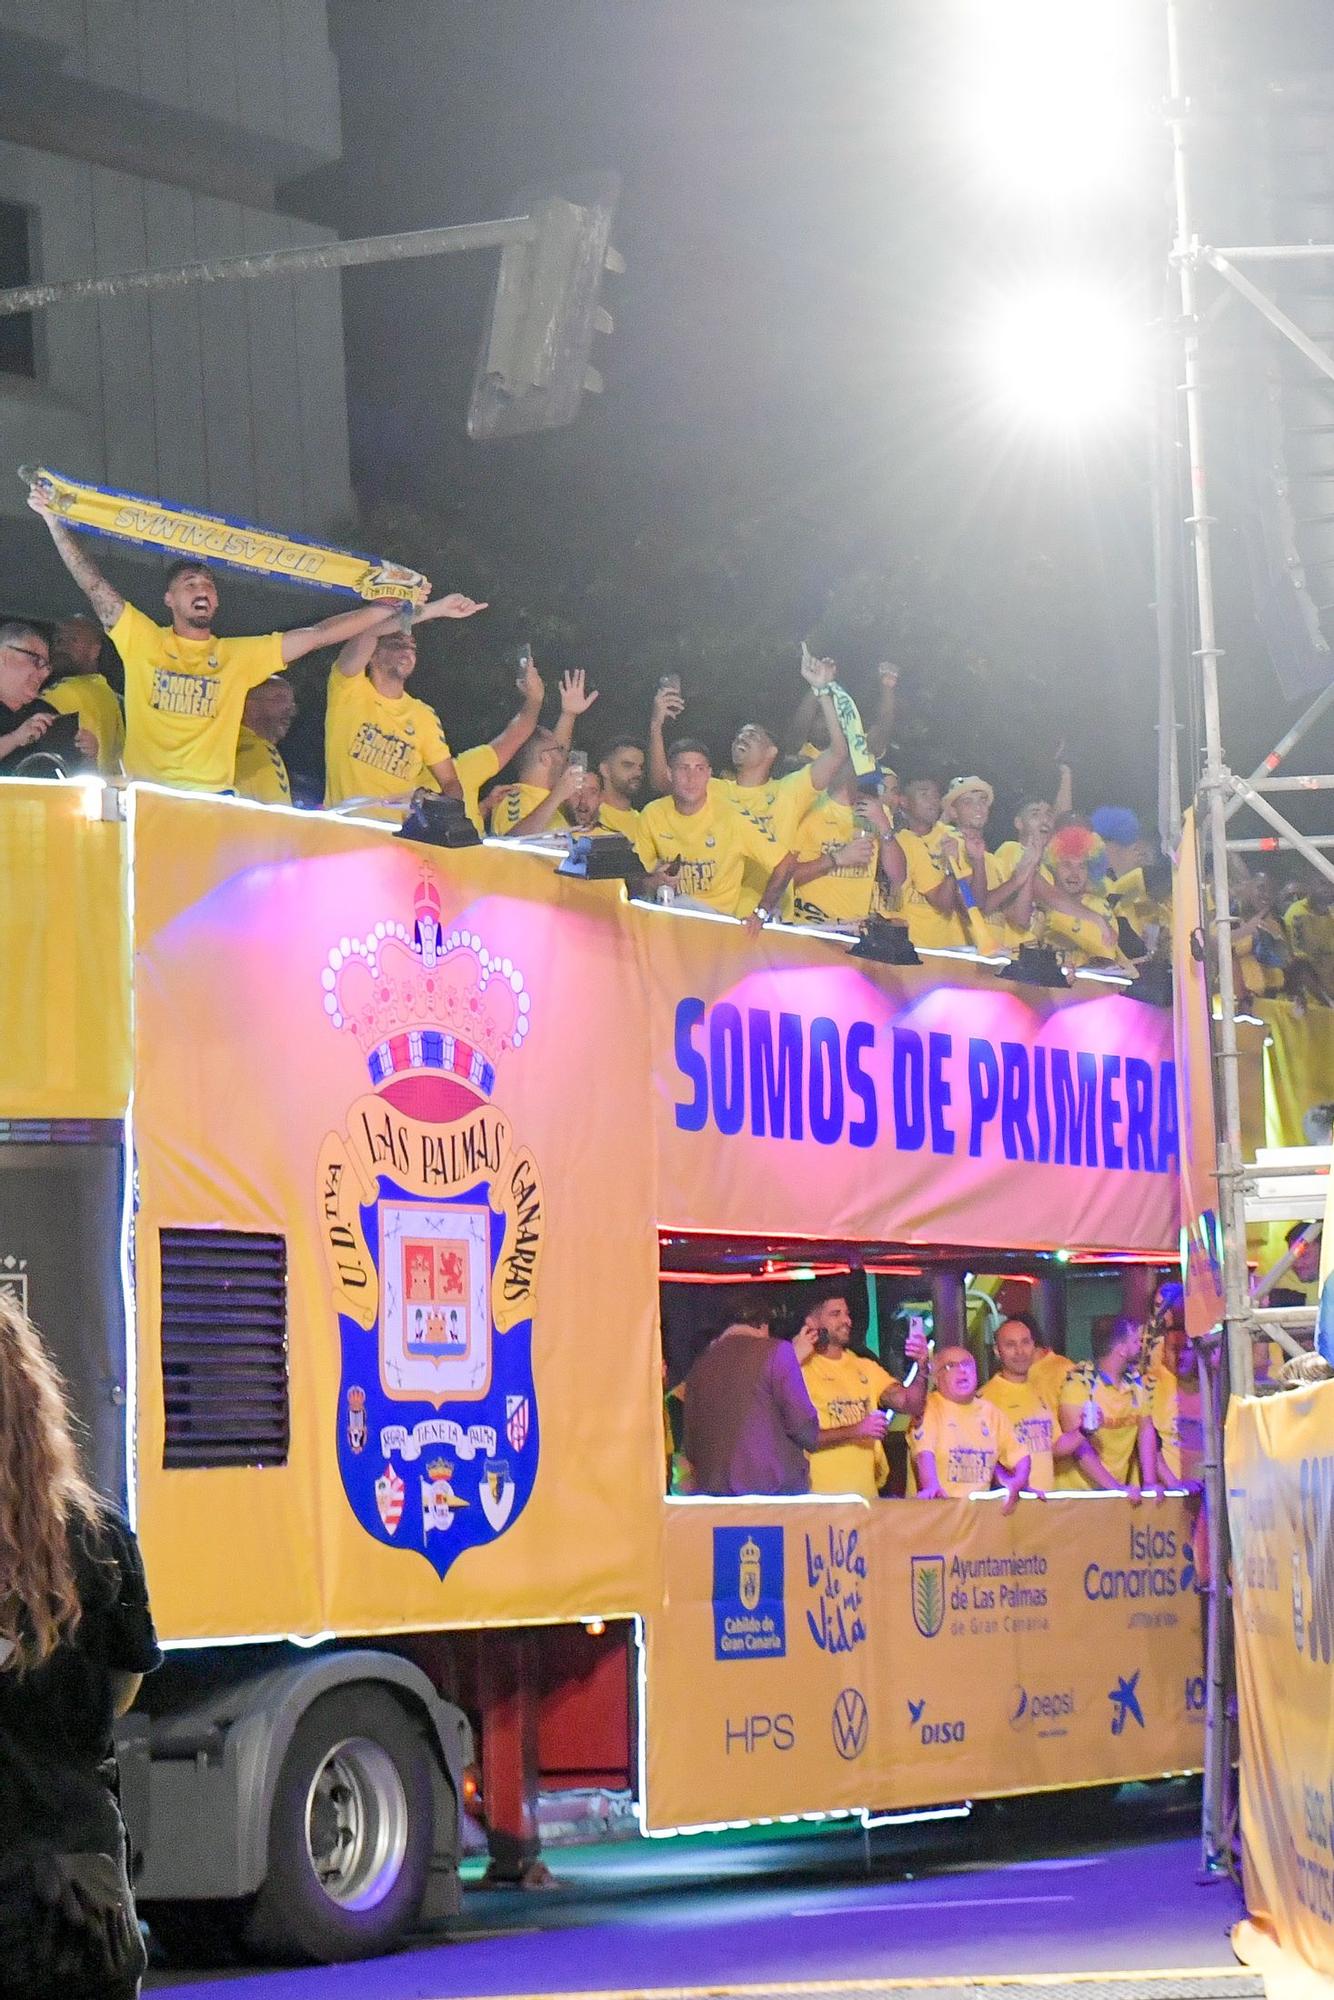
x: 351, y: 1833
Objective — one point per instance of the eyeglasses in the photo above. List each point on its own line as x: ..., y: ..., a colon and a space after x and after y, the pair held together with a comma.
x: 28, y: 654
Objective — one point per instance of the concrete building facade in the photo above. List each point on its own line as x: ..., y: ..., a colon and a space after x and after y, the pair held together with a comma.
x: 146, y: 133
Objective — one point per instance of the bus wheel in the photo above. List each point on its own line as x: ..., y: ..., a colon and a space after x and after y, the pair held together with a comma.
x: 351, y: 1833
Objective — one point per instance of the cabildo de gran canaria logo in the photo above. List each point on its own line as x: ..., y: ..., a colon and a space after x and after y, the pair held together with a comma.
x: 432, y: 1216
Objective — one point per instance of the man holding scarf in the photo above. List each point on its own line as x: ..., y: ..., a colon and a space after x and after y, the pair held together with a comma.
x: 185, y: 689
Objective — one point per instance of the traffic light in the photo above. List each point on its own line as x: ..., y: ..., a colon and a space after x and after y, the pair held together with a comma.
x: 534, y: 363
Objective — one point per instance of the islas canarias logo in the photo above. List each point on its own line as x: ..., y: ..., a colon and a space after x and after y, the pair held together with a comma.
x: 432, y: 1218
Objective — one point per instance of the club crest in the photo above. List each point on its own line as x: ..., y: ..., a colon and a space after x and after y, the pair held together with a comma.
x: 432, y: 1219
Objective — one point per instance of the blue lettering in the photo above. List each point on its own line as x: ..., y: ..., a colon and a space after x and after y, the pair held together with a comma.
x: 1169, y: 1141
x: 727, y: 1070
x: 1076, y: 1136
x: 691, y: 1116
x: 983, y: 1090
x: 863, y: 1130
x: 775, y: 1088
x: 1015, y: 1135
x: 909, y: 1095
x: 938, y: 1092
x: 1139, y: 1115
x: 1113, y: 1111
x: 1040, y: 1103
x: 826, y: 1090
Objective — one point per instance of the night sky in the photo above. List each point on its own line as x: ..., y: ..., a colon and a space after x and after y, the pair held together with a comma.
x: 792, y: 439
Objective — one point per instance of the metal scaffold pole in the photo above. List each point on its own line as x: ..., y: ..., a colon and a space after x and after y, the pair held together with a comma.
x: 1213, y: 795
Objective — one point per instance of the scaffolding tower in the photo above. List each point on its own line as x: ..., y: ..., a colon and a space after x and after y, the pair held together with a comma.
x: 1208, y: 282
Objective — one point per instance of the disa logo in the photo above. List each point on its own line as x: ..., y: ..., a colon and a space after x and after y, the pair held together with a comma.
x: 933, y: 1735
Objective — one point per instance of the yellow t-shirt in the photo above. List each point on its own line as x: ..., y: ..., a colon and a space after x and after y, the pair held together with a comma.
x: 1178, y: 1417
x: 1121, y: 1405
x: 1012, y: 935
x: 714, y: 845
x: 260, y: 771
x: 845, y: 895
x: 1079, y: 939
x: 625, y: 821
x: 93, y: 699
x: 184, y: 697
x: 377, y: 745
x: 967, y: 1440
x: 473, y: 769
x: 516, y: 802
x: 931, y: 928
x: 1310, y: 932
x: 777, y: 809
x: 1147, y: 915
x: 1048, y: 1375
x: 845, y: 1388
x: 1033, y: 1417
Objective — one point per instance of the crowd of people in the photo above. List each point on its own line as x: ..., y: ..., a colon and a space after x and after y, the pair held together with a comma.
x: 810, y: 1414
x: 818, y: 828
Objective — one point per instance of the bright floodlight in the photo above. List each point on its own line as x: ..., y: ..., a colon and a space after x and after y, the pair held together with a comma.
x: 1049, y: 98
x: 1066, y: 357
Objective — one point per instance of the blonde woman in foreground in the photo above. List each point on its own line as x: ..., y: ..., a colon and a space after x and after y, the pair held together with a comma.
x: 76, y: 1639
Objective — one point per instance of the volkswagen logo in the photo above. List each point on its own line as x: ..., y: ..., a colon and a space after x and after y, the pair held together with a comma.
x: 851, y: 1724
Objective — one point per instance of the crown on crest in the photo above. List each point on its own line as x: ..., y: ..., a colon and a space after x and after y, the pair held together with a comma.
x: 418, y: 1000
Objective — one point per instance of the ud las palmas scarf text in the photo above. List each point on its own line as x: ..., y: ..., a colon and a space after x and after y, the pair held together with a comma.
x: 127, y: 517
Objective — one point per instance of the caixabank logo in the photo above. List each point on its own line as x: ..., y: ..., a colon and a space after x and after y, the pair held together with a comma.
x: 432, y: 1219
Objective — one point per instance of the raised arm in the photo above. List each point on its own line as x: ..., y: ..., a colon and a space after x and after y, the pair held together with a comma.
x: 361, y: 629
x: 544, y: 812
x: 909, y: 1398
x: 575, y: 699
x: 105, y: 599
x: 881, y: 732
x: 521, y: 726
x: 667, y: 705
x: 1064, y: 801
x: 368, y: 622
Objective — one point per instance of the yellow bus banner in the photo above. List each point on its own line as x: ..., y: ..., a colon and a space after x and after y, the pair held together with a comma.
x: 821, y: 1654
x: 440, y: 1113
x: 1280, y: 1475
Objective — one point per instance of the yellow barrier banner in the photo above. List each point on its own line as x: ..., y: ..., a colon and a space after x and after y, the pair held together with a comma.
x: 64, y: 954
x: 822, y: 1654
x: 1061, y: 1645
x: 758, y: 1664
x: 1280, y: 1476
x: 424, y: 1073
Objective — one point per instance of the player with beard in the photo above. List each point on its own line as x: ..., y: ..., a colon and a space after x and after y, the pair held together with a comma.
x: 185, y: 689
x: 379, y: 740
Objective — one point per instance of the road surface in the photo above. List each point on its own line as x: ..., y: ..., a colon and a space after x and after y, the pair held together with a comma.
x: 1080, y: 1890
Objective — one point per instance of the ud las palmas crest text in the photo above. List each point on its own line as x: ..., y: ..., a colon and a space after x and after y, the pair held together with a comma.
x: 432, y: 1218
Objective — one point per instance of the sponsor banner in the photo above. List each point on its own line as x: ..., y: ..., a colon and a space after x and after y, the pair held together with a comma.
x: 1059, y: 1645
x: 64, y: 955
x: 910, y: 1107
x: 1192, y: 1022
x: 1280, y: 1478
x: 816, y: 1654
x: 759, y: 1689
x: 394, y: 1059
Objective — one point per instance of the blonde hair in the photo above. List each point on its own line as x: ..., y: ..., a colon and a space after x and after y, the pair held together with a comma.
x: 42, y: 1493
